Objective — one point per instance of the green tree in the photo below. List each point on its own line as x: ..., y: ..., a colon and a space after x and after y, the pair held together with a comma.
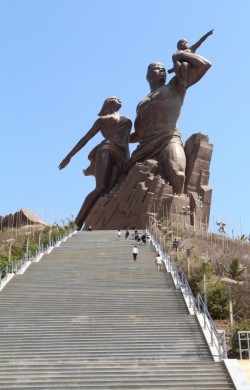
x: 17, y: 252
x: 235, y: 269
x: 241, y: 326
x: 217, y: 298
x: 4, y: 258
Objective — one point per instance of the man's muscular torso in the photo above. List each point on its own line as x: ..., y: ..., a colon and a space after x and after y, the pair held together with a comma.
x: 158, y: 113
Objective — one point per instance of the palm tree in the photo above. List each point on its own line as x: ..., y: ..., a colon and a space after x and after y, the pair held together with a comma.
x: 235, y: 269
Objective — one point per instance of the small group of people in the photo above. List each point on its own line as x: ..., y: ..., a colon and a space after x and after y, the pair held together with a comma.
x: 140, y: 237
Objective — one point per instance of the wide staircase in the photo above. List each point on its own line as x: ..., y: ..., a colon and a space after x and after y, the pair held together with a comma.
x: 87, y: 316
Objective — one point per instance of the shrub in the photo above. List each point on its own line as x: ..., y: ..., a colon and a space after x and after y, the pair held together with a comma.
x: 235, y: 269
x: 217, y: 299
x: 241, y: 326
x: 4, y: 258
x: 17, y: 252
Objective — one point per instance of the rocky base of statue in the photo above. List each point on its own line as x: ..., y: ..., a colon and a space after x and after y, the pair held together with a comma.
x: 142, y: 194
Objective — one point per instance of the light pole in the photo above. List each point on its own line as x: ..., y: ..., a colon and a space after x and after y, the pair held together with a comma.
x: 230, y: 282
x: 39, y: 238
x: 56, y: 224
x: 72, y: 217
x: 10, y: 242
x: 222, y: 226
x: 1, y: 224
x: 204, y: 264
x: 199, y: 204
x: 222, y: 229
x: 50, y: 231
x: 188, y: 261
x: 27, y: 234
x: 185, y: 211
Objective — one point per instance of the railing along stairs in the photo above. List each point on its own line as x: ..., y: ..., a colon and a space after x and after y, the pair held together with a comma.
x: 196, y: 306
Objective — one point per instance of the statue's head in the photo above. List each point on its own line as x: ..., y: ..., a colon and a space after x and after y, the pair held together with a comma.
x: 110, y: 105
x: 182, y: 44
x: 156, y: 72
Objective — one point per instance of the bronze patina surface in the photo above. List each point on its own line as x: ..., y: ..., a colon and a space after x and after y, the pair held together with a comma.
x: 108, y: 159
x: 156, y: 127
x: 183, y: 172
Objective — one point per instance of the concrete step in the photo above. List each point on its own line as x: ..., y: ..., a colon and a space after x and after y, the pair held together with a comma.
x: 108, y: 374
x: 87, y: 316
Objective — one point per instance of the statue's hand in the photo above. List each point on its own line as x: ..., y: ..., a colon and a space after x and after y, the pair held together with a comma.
x: 64, y: 162
x: 134, y: 137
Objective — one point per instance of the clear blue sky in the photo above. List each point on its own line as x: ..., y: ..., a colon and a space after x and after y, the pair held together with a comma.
x: 60, y: 59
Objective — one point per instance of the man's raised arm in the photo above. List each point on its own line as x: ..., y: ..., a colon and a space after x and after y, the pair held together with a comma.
x: 198, y: 65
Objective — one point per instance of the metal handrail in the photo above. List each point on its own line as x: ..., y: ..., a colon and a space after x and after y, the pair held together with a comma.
x: 217, y: 339
x: 15, y: 268
x: 188, y: 293
x: 244, y: 336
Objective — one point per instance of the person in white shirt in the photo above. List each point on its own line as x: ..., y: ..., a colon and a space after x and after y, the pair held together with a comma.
x: 135, y: 252
x: 158, y: 262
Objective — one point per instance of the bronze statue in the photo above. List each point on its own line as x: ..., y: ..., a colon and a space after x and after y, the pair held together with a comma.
x: 108, y: 159
x: 181, y: 67
x: 157, y: 115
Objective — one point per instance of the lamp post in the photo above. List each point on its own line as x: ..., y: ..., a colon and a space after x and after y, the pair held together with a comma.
x: 222, y: 229
x: 230, y: 282
x: 204, y: 264
x: 185, y: 211
x: 27, y: 234
x: 199, y: 204
x: 50, y: 231
x: 188, y: 261
x: 222, y: 226
x: 72, y: 217
x: 56, y: 224
x: 39, y: 238
x: 10, y: 241
x: 1, y: 224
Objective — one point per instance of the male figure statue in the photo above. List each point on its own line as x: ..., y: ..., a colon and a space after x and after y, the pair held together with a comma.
x: 156, y: 127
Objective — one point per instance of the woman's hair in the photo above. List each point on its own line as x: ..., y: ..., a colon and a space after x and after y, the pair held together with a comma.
x: 107, y: 106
